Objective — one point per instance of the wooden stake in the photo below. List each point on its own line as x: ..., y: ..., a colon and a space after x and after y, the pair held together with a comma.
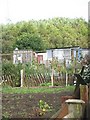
x: 52, y: 77
x: 22, y: 78
x: 66, y: 78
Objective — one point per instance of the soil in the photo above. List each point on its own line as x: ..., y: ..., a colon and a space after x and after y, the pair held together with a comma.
x: 26, y: 105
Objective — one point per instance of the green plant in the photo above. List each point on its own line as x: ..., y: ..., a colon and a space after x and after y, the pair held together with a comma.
x: 45, y: 84
x: 35, y: 68
x: 10, y: 69
x: 44, y: 107
x: 36, y: 90
x: 5, y: 116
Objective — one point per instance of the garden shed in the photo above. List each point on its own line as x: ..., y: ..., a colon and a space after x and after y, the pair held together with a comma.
x: 66, y: 53
x: 22, y: 56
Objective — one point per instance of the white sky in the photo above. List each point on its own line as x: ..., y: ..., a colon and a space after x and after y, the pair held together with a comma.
x: 18, y: 10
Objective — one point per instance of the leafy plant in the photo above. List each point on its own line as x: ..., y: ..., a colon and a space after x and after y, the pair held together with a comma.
x: 35, y: 68
x: 5, y: 116
x: 44, y: 107
x: 8, y: 68
x: 45, y: 84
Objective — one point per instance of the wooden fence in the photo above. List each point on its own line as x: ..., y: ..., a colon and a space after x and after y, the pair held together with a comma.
x: 37, y: 80
x: 7, y: 79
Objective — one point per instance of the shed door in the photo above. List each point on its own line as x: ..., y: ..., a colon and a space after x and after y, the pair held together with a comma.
x: 40, y: 59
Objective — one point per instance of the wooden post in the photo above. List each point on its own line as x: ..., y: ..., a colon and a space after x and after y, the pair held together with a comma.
x: 52, y: 77
x: 0, y: 103
x: 76, y: 107
x: 84, y: 93
x: 31, y: 57
x: 22, y: 78
x: 66, y: 78
x: 88, y: 108
x: 89, y: 92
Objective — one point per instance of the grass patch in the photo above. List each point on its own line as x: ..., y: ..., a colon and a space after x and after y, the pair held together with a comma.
x: 24, y: 90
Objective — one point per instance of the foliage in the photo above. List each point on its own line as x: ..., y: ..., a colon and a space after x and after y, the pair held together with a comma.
x: 28, y: 41
x: 86, y: 74
x: 43, y: 34
x: 60, y: 67
x: 13, y: 70
x: 5, y: 116
x: 45, y: 84
x: 35, y: 68
x: 44, y: 107
x: 74, y: 67
x: 8, y: 68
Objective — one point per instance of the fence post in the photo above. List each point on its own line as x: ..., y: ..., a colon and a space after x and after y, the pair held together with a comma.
x: 84, y: 93
x: 22, y: 78
x: 66, y: 78
x: 0, y: 103
x: 52, y: 77
x: 89, y: 92
x: 88, y: 111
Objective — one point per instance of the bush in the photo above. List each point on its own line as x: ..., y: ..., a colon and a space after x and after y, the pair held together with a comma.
x: 35, y: 68
x: 8, y: 68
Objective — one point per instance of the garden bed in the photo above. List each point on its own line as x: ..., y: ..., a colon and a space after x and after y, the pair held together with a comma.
x: 27, y: 105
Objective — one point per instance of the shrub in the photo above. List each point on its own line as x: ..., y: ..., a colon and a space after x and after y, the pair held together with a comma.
x: 8, y: 68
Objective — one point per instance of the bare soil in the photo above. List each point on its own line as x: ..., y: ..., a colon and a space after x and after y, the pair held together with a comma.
x: 26, y: 106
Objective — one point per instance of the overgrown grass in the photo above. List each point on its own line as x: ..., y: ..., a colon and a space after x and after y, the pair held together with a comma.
x: 10, y: 90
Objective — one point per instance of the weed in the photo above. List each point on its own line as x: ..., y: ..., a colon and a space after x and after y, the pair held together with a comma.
x: 45, y: 84
x: 5, y: 116
x: 44, y: 107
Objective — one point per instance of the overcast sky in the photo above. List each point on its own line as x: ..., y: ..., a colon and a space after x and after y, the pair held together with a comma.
x: 18, y: 10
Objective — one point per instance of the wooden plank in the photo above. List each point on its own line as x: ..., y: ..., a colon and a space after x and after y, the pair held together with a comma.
x: 89, y: 92
x: 35, y: 79
x: 41, y: 78
x: 54, y: 117
x: 84, y: 93
x: 68, y: 116
x: 38, y: 79
x: 34, y: 82
x: 30, y: 78
x: 88, y: 106
x: 64, y: 98
x: 63, y: 112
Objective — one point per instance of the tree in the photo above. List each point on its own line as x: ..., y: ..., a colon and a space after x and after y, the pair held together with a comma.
x: 43, y: 34
x: 28, y: 41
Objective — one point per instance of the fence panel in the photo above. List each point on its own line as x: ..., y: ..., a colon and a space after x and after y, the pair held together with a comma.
x: 37, y: 80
